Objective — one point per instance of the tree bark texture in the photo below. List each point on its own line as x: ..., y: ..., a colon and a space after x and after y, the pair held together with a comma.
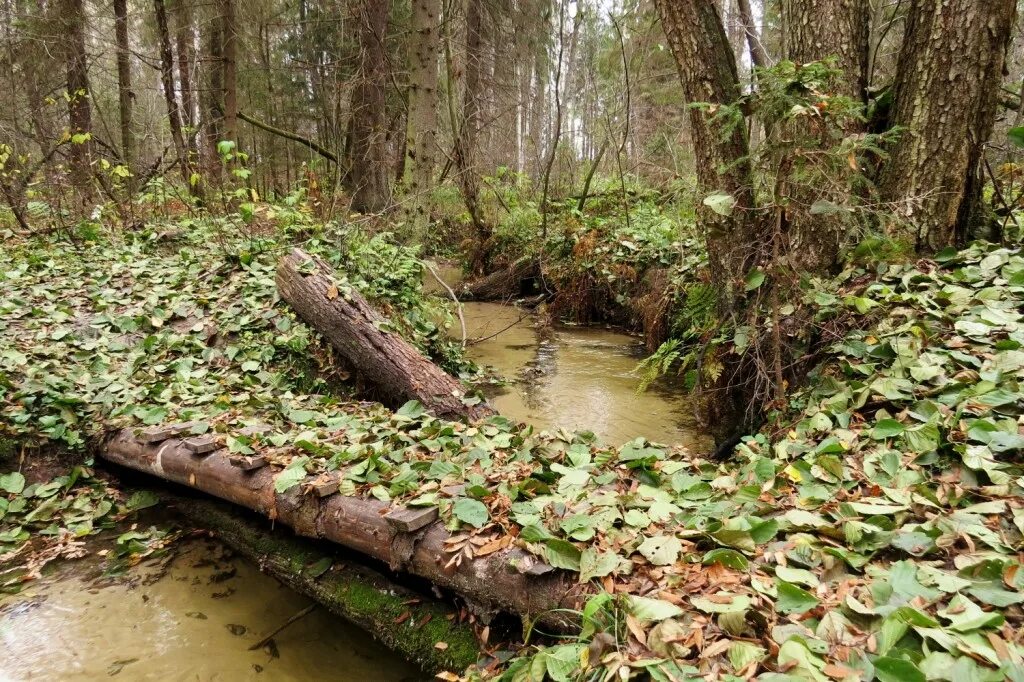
x: 813, y: 31
x: 186, y: 56
x: 348, y: 589
x: 758, y: 56
x: 466, y: 140
x: 170, y: 98
x: 229, y: 69
x: 816, y: 29
x: 503, y: 285
x: 72, y: 14
x: 707, y: 70
x: 421, y: 128
x: 352, y: 326
x: 369, y: 178
x: 124, y: 83
x: 503, y: 580
x: 945, y: 101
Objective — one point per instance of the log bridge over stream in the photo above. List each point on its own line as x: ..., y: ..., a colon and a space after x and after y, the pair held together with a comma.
x: 410, y: 540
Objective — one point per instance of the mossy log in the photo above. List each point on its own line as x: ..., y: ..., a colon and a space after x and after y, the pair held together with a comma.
x: 505, y: 284
x: 510, y: 579
x: 404, y: 621
x: 357, y: 331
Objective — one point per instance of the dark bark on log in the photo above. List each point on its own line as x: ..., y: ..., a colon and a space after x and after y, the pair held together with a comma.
x: 355, y: 592
x: 354, y: 329
x: 503, y: 284
x: 497, y: 581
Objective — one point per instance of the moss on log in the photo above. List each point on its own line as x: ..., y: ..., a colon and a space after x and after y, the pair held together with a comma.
x: 403, y: 620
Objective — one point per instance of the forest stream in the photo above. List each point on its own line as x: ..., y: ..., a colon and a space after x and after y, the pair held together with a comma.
x: 195, y: 617
x: 191, y: 619
x: 577, y: 378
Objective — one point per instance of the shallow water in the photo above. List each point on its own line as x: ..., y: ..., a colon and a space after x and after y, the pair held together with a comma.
x: 195, y: 622
x: 579, y: 378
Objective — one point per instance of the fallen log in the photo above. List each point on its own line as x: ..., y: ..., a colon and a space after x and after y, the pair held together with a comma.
x: 509, y: 579
x: 504, y: 284
x: 399, y: 618
x: 357, y: 331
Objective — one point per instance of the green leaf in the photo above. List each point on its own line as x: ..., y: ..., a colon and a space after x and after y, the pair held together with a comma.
x: 473, y: 512
x: 597, y: 564
x: 724, y: 602
x: 793, y: 599
x: 651, y: 610
x: 317, y: 569
x: 1016, y: 136
x: 886, y: 428
x: 721, y: 203
x: 889, y: 669
x: 141, y: 499
x: 563, y: 554
x: 754, y: 279
x: 291, y: 475
x: 661, y: 550
x: 13, y: 482
x: 727, y: 557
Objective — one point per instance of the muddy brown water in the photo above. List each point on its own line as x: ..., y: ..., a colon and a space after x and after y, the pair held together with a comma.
x: 578, y: 378
x: 193, y: 620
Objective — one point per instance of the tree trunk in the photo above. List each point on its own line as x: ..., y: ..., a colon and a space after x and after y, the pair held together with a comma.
x: 945, y: 99
x: 212, y: 98
x: 367, y: 526
x: 229, y: 70
x: 72, y: 13
x: 707, y: 70
x: 354, y: 329
x: 466, y: 140
x: 369, y: 177
x: 503, y: 285
x: 184, y: 42
x: 167, y: 80
x: 816, y: 29
x: 421, y: 128
x: 757, y: 53
x: 124, y: 83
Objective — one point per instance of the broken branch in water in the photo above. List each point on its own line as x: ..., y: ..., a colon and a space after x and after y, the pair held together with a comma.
x: 298, y: 616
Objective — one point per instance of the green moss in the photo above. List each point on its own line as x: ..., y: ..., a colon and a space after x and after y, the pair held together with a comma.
x: 354, y: 592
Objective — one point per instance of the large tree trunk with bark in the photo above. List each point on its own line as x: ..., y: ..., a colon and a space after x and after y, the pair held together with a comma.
x: 469, y: 123
x: 945, y: 99
x: 170, y: 98
x: 814, y: 30
x: 124, y: 83
x: 355, y: 330
x: 421, y: 127
x: 369, y: 178
x: 707, y: 70
x: 735, y: 238
x: 184, y: 43
x: 72, y: 22
x: 758, y: 56
x: 408, y: 540
x: 229, y: 69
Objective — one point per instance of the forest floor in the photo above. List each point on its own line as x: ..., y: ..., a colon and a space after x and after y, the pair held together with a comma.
x: 876, y: 536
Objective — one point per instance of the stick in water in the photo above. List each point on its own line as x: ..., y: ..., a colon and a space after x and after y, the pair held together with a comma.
x: 266, y: 640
